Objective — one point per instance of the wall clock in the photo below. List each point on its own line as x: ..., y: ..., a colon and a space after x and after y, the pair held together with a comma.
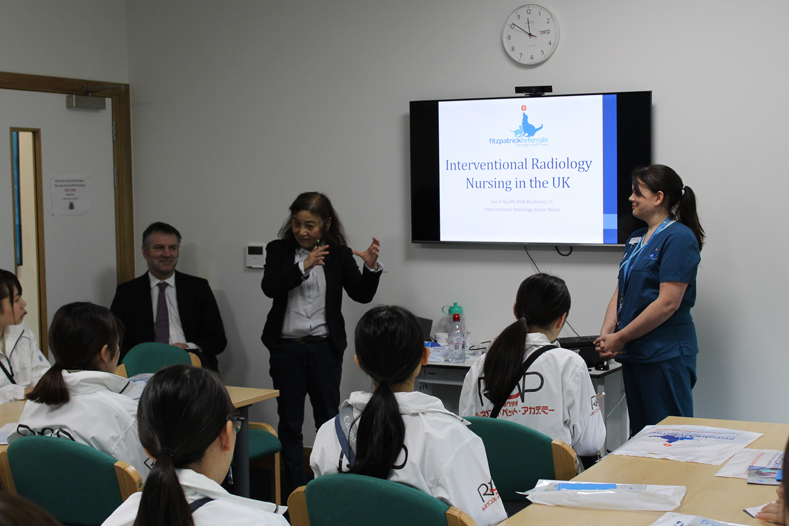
x: 530, y: 34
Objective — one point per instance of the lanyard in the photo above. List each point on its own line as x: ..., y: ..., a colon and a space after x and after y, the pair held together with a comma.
x: 627, y: 265
x: 9, y: 375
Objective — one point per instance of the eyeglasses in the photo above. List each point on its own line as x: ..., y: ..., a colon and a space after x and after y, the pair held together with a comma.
x: 238, y: 421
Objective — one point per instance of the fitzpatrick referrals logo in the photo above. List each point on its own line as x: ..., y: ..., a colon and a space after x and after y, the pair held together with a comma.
x: 669, y: 439
x: 525, y: 134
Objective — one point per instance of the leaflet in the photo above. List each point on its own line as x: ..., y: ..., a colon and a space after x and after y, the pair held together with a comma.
x: 680, y: 519
x: 687, y: 443
x: 737, y: 466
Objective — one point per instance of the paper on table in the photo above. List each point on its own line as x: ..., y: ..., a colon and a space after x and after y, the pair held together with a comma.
x: 687, y: 443
x: 752, y: 511
x: 648, y: 497
x: 737, y: 466
x: 6, y: 430
x: 680, y: 519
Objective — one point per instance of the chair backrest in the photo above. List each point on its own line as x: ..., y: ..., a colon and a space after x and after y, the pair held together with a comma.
x: 150, y: 357
x: 518, y: 456
x: 74, y: 482
x: 357, y: 500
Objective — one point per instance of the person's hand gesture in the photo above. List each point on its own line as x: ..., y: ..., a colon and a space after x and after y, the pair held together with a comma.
x: 316, y: 257
x: 370, y: 256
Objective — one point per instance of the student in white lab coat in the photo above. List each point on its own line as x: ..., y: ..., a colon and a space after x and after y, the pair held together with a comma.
x: 80, y: 398
x: 555, y: 395
x: 21, y: 362
x: 188, y: 424
x: 406, y: 436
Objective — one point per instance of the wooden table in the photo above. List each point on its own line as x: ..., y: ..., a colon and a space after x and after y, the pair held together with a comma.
x: 707, y: 495
x: 11, y: 412
x: 242, y: 398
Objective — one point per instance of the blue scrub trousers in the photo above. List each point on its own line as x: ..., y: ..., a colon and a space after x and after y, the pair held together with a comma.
x: 299, y: 369
x: 657, y: 390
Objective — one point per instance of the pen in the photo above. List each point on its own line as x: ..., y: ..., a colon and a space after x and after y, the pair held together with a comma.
x: 600, y: 395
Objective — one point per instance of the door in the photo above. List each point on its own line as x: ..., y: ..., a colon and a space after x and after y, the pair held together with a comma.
x: 78, y: 196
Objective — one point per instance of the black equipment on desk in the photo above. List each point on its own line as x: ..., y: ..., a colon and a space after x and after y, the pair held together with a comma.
x: 584, y: 345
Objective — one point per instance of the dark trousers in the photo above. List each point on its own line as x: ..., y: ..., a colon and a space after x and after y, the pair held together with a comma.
x: 299, y: 369
x: 657, y: 390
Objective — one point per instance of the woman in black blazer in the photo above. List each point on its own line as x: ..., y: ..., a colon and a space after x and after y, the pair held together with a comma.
x: 306, y: 270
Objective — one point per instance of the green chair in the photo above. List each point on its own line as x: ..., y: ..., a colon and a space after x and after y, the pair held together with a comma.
x: 149, y: 357
x: 75, y: 483
x: 357, y: 500
x: 264, y: 445
x: 519, y: 456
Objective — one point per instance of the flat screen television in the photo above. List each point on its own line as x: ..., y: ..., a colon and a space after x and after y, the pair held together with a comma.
x: 530, y: 170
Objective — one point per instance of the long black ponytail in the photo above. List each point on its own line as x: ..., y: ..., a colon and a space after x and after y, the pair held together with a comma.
x: 389, y: 345
x: 78, y: 333
x: 181, y: 413
x: 541, y: 300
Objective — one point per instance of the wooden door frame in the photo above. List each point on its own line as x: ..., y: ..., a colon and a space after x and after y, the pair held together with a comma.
x: 40, y: 253
x: 120, y: 96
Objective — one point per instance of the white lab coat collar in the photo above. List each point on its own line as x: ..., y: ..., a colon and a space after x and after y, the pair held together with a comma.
x: 410, y: 403
x: 11, y: 336
x: 198, y: 485
x: 86, y: 382
x: 535, y: 340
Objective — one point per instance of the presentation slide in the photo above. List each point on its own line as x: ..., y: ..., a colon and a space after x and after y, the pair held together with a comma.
x: 528, y: 169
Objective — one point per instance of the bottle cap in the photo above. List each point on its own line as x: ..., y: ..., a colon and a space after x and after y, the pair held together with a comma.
x: 456, y: 317
x: 456, y: 309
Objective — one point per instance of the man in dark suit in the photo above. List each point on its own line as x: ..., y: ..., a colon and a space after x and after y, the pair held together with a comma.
x: 189, y: 316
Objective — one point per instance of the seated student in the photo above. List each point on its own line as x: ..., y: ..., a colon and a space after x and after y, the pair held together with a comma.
x: 21, y: 361
x: 555, y: 395
x: 187, y: 423
x: 80, y: 398
x: 407, y: 436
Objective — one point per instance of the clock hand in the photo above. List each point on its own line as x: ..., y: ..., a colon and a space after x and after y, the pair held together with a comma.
x: 514, y: 25
x: 529, y: 26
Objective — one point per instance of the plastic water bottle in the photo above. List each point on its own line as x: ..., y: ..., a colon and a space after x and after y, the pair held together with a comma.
x: 450, y: 311
x: 456, y: 339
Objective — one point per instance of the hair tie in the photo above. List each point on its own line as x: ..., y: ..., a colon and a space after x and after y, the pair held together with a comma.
x: 523, y: 319
x: 165, y: 451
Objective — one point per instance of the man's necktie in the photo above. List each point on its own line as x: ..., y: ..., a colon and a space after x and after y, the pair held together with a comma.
x: 162, y: 316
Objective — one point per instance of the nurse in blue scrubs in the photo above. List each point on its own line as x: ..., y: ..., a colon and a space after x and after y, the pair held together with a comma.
x: 648, y: 327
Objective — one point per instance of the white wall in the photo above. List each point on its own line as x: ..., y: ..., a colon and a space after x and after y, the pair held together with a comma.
x: 83, y: 39
x: 240, y: 105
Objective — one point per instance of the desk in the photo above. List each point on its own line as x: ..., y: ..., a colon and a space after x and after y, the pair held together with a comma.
x: 242, y: 398
x: 707, y: 495
x: 445, y: 380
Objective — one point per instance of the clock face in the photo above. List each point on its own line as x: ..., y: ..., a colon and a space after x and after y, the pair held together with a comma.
x: 530, y: 34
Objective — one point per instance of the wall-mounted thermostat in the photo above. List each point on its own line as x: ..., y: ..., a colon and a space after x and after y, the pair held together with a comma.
x: 255, y: 257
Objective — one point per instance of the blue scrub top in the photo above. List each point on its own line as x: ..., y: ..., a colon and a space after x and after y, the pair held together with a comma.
x: 671, y: 255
